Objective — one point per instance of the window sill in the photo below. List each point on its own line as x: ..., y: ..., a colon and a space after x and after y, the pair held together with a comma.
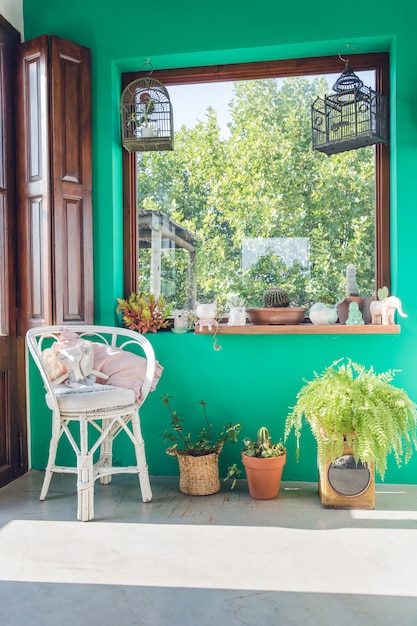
x: 302, y: 329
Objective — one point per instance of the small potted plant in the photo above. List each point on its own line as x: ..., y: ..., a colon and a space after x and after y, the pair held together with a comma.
x: 264, y: 462
x: 141, y: 119
x: 360, y: 302
x: 210, y: 314
x: 148, y: 107
x: 143, y: 312
x: 198, y: 456
x: 276, y: 309
x: 351, y: 408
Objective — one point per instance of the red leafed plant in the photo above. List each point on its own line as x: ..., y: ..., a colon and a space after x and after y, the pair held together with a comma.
x: 143, y: 312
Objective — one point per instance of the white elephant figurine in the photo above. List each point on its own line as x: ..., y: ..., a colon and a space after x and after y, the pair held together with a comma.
x: 383, y: 311
x: 322, y: 315
x: 206, y: 313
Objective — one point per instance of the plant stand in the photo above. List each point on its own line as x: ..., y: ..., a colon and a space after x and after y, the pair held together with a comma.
x: 264, y: 476
x: 345, y: 485
x: 199, y: 475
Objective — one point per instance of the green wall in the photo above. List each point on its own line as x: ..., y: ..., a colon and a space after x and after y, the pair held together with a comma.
x: 253, y: 379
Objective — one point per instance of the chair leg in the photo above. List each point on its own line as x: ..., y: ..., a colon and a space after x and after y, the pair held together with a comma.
x: 106, y: 454
x: 143, y: 474
x: 53, y: 447
x: 85, y: 482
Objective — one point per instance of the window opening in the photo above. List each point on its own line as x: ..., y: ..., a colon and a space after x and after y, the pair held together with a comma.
x: 251, y: 227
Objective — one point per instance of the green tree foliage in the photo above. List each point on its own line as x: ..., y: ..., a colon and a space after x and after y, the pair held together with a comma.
x: 263, y: 181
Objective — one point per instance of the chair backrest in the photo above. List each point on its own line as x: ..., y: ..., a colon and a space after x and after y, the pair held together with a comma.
x: 37, y: 339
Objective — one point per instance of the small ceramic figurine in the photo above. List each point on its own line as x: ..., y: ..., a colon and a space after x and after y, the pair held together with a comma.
x: 383, y: 312
x: 322, y: 315
x: 206, y: 314
x: 180, y: 320
x: 237, y: 316
x: 355, y: 316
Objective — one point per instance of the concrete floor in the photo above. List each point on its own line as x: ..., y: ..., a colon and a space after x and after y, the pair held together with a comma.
x: 223, y: 559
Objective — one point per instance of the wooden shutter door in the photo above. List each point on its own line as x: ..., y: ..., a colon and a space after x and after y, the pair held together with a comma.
x: 13, y: 456
x: 71, y: 179
x: 54, y: 183
x: 33, y: 184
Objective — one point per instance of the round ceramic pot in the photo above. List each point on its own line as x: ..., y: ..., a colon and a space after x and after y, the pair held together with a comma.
x: 264, y: 476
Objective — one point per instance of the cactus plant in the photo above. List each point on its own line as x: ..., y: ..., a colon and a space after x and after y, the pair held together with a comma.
x: 263, y: 462
x: 262, y: 446
x: 276, y: 297
x: 351, y: 284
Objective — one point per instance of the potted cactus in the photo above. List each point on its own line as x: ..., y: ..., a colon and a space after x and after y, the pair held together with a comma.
x: 360, y: 302
x: 263, y: 462
x: 276, y: 309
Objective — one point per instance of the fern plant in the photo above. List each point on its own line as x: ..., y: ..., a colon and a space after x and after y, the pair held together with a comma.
x: 351, y: 406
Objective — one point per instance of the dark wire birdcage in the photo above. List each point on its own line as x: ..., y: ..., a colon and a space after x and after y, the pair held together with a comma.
x: 353, y: 117
x: 146, y: 116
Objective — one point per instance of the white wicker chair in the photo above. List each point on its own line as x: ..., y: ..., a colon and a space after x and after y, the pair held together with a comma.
x: 103, y: 408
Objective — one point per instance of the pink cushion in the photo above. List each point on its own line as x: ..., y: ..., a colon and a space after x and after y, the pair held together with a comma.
x: 124, y: 369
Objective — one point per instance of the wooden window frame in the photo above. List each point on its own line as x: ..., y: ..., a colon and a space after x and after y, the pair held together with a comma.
x: 377, y: 62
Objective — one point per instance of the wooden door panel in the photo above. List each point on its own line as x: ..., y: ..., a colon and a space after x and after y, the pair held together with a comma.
x: 55, y: 181
x: 47, y: 184
x: 33, y: 190
x: 72, y: 182
x: 11, y: 464
x: 13, y: 458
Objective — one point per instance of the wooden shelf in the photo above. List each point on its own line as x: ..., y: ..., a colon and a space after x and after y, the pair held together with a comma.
x: 302, y: 329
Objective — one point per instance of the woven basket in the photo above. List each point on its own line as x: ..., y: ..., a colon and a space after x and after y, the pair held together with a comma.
x: 199, y: 475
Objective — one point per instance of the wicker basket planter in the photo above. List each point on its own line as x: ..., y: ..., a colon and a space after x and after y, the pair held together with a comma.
x: 199, y: 475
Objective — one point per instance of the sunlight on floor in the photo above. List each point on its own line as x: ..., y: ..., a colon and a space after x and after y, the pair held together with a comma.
x: 386, y: 515
x: 205, y: 556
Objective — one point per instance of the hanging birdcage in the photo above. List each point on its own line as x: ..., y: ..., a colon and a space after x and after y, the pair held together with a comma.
x: 147, y: 119
x: 353, y: 117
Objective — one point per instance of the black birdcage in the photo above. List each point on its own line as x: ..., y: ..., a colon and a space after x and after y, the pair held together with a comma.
x: 146, y: 116
x: 353, y: 117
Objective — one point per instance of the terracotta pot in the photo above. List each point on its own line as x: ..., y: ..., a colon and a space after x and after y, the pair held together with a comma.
x: 278, y: 315
x: 264, y: 476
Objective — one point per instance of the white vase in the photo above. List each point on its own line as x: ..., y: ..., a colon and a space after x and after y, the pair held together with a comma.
x: 237, y: 316
x: 180, y: 319
x: 206, y: 314
x: 323, y: 315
